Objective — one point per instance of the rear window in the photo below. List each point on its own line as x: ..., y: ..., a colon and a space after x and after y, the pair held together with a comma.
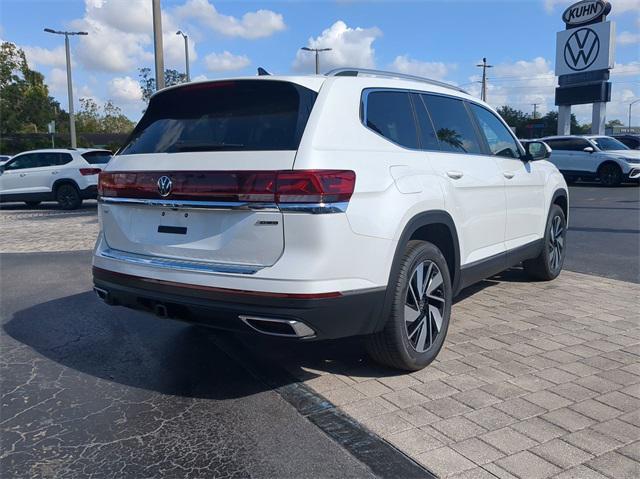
x: 97, y: 157
x: 239, y: 115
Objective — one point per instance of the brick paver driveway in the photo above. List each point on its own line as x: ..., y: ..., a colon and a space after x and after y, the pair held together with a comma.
x: 535, y: 379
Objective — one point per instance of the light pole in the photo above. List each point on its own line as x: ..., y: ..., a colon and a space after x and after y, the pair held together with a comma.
x: 186, y: 52
x: 630, y: 105
x: 157, y: 44
x: 317, y: 50
x: 72, y: 119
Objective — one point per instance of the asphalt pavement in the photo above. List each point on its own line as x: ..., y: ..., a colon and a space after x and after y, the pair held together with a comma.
x: 90, y: 390
x: 604, y: 231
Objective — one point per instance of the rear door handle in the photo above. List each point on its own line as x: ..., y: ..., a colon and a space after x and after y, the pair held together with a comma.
x: 509, y: 174
x: 455, y: 175
x: 54, y: 172
x: 22, y: 174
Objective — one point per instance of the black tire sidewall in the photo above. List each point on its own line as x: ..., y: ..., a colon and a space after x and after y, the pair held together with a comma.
x: 618, y: 177
x: 555, y: 211
x: 65, y: 189
x: 417, y: 252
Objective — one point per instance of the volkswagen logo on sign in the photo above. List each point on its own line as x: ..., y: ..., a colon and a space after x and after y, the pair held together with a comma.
x: 582, y: 49
x: 164, y: 185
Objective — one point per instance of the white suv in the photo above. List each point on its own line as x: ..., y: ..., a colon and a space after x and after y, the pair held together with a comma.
x: 591, y: 157
x: 357, y: 203
x: 65, y: 176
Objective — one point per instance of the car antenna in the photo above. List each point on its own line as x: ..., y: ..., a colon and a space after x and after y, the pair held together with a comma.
x: 262, y: 72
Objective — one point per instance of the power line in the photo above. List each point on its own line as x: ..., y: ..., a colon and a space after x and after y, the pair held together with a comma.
x: 484, y: 67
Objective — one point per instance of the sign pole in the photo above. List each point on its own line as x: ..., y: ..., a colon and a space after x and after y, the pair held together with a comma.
x: 598, y: 118
x: 564, y: 120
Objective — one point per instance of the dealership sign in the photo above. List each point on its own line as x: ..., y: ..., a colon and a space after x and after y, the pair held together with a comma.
x: 585, y: 49
x: 584, y: 12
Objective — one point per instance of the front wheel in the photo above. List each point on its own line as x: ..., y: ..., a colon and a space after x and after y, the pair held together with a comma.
x: 548, y: 264
x: 421, y: 306
x: 610, y: 174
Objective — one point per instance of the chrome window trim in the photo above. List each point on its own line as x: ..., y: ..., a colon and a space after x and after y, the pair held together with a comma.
x: 311, y: 208
x: 177, y: 264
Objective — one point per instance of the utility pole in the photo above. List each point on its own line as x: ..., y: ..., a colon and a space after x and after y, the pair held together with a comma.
x: 484, y: 66
x: 157, y: 44
x: 630, y: 105
x: 186, y: 52
x: 72, y: 118
x: 317, y: 51
x: 535, y: 110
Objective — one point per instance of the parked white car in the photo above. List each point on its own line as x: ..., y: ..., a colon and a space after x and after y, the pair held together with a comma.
x: 594, y: 157
x: 4, y: 159
x: 64, y: 175
x: 317, y: 207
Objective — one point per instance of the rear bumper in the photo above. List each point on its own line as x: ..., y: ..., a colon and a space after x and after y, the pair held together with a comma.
x: 90, y: 192
x: 328, y: 316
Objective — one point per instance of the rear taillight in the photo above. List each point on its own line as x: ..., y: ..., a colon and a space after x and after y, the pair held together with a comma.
x: 89, y: 171
x: 285, y: 186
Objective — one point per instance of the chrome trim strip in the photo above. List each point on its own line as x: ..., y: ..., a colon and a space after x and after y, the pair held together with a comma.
x: 300, y: 330
x: 189, y: 204
x: 177, y: 264
x: 312, y: 208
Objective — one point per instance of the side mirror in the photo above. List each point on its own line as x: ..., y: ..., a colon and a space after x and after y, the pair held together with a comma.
x: 588, y: 149
x: 537, y: 150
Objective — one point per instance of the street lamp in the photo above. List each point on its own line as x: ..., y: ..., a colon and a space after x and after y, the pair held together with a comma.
x: 317, y: 50
x: 72, y: 120
x: 630, y: 105
x: 186, y: 51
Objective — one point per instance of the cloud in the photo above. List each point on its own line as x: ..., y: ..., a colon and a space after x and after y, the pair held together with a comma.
x: 258, y: 24
x: 628, y: 38
x: 434, y: 70
x: 43, y: 56
x: 225, y: 62
x: 618, y: 6
x: 57, y: 80
x: 124, y: 89
x: 352, y: 47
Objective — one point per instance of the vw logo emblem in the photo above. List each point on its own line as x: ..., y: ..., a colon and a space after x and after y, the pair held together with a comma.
x: 164, y: 185
x: 582, y: 49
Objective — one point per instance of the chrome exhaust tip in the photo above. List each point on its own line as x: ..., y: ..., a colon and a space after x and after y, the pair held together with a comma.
x: 288, y: 328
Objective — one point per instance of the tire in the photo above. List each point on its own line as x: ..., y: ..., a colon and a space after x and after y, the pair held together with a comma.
x: 548, y: 265
x: 68, y: 197
x: 610, y: 174
x: 413, y: 344
x: 32, y: 204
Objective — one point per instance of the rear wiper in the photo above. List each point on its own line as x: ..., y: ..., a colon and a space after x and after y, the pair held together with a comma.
x: 179, y: 147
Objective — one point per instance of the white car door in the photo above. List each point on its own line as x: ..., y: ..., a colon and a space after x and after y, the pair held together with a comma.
x: 523, y: 182
x: 41, y: 178
x: 474, y: 184
x: 16, y: 177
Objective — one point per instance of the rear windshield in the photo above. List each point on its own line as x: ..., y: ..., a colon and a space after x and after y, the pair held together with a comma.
x: 97, y: 157
x: 239, y: 115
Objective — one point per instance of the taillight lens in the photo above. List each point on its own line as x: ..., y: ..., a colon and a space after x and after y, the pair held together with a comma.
x: 285, y: 186
x: 89, y: 171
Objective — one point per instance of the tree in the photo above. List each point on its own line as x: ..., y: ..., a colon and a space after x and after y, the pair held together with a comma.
x: 109, y: 119
x: 613, y: 123
x: 148, y: 82
x: 25, y: 104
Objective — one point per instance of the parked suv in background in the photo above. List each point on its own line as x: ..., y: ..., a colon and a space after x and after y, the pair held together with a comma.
x: 65, y: 176
x: 630, y: 140
x: 594, y: 157
x: 317, y: 207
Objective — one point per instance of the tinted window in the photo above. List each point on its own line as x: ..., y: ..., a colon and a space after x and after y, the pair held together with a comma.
x: 453, y: 124
x: 500, y: 140
x: 608, y: 144
x: 389, y: 113
x: 568, y: 144
x: 242, y: 115
x: 30, y: 160
x: 426, y: 131
x: 97, y: 157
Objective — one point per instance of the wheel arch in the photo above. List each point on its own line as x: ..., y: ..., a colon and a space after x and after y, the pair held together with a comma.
x: 561, y: 198
x: 438, y: 228
x: 62, y: 181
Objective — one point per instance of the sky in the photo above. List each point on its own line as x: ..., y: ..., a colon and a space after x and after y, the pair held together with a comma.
x: 444, y: 40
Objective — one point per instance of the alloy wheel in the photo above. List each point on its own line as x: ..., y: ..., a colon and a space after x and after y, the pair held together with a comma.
x: 556, y: 243
x: 424, y: 306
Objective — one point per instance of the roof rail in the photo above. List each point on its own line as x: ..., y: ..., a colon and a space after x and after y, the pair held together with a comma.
x: 354, y: 72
